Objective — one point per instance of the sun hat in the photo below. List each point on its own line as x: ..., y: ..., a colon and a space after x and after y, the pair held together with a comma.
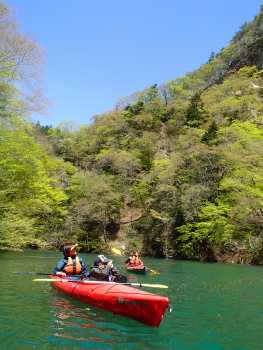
x: 74, y: 246
x: 101, y: 259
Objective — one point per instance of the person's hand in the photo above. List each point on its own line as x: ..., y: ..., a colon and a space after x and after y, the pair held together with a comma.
x: 61, y: 274
x: 110, y: 263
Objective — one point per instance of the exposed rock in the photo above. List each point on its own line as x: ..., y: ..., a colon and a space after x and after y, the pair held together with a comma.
x: 241, y: 256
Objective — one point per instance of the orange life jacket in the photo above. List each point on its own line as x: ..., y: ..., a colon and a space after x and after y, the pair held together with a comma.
x: 135, y: 261
x: 73, y: 266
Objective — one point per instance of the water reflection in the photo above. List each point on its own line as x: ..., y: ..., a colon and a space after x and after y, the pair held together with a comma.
x: 70, y: 321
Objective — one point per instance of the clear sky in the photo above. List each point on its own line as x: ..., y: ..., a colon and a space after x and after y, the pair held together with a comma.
x: 101, y: 50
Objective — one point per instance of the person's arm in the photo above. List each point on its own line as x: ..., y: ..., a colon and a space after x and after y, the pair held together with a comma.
x: 60, y: 267
x: 84, y: 270
x: 128, y: 260
x: 115, y: 272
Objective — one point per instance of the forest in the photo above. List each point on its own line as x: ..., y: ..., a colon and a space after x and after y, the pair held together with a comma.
x: 175, y: 170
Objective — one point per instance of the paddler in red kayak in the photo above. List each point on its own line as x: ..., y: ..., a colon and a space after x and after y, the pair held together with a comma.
x: 134, y: 260
x: 71, y: 264
x: 104, y: 270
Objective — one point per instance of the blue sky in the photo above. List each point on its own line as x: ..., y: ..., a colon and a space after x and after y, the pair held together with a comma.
x: 101, y: 50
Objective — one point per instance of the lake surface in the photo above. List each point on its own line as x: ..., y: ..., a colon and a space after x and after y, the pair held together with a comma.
x: 215, y: 307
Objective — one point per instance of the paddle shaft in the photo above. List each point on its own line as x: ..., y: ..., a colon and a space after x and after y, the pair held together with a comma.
x: 40, y: 273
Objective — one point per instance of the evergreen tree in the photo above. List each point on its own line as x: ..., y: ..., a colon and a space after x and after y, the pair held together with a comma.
x: 195, y: 113
x: 210, y: 134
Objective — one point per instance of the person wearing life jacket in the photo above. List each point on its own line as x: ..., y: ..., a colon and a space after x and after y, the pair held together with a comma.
x: 104, y: 270
x: 134, y: 260
x: 71, y: 264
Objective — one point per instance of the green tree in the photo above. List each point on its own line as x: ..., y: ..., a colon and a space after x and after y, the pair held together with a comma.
x: 64, y: 141
x: 29, y: 186
x: 96, y: 198
x: 144, y: 149
x: 149, y: 94
x: 210, y: 134
x: 22, y: 63
x: 214, y: 230
x: 196, y: 114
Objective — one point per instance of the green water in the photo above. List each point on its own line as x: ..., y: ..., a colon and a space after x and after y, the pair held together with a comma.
x: 215, y: 306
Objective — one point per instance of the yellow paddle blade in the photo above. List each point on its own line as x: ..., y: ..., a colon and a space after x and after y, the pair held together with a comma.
x: 154, y: 285
x: 154, y: 272
x: 49, y: 280
x: 116, y: 251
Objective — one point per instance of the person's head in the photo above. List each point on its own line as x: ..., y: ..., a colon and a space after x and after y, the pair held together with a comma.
x: 69, y: 249
x: 101, y: 261
x: 135, y: 253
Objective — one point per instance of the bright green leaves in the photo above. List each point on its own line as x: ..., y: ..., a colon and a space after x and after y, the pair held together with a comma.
x: 144, y: 148
x: 237, y: 97
x: 29, y: 188
x: 18, y: 230
x: 236, y: 213
x: 214, y: 230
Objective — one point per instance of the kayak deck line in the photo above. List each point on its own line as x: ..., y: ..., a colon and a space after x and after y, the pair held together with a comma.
x: 121, y: 299
x: 96, y: 284
x: 62, y: 280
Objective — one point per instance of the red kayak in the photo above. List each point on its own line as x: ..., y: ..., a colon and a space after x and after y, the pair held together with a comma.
x: 120, y: 299
x: 137, y: 268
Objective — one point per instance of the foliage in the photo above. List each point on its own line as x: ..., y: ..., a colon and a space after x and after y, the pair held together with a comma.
x: 93, y: 202
x: 213, y: 229
x: 195, y: 113
x: 29, y: 187
x: 181, y: 163
x: 210, y: 134
x: 22, y: 63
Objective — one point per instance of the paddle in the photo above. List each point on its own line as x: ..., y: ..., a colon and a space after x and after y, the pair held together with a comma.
x: 32, y: 273
x: 96, y: 282
x: 39, y: 273
x: 117, y: 251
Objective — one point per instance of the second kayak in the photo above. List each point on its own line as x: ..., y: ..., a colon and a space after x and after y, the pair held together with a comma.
x: 137, y: 268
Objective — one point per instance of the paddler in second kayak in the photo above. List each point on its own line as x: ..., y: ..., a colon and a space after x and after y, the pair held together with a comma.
x: 134, y: 260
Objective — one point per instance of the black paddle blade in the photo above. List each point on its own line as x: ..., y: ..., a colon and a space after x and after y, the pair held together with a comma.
x: 123, y: 279
x: 98, y: 276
